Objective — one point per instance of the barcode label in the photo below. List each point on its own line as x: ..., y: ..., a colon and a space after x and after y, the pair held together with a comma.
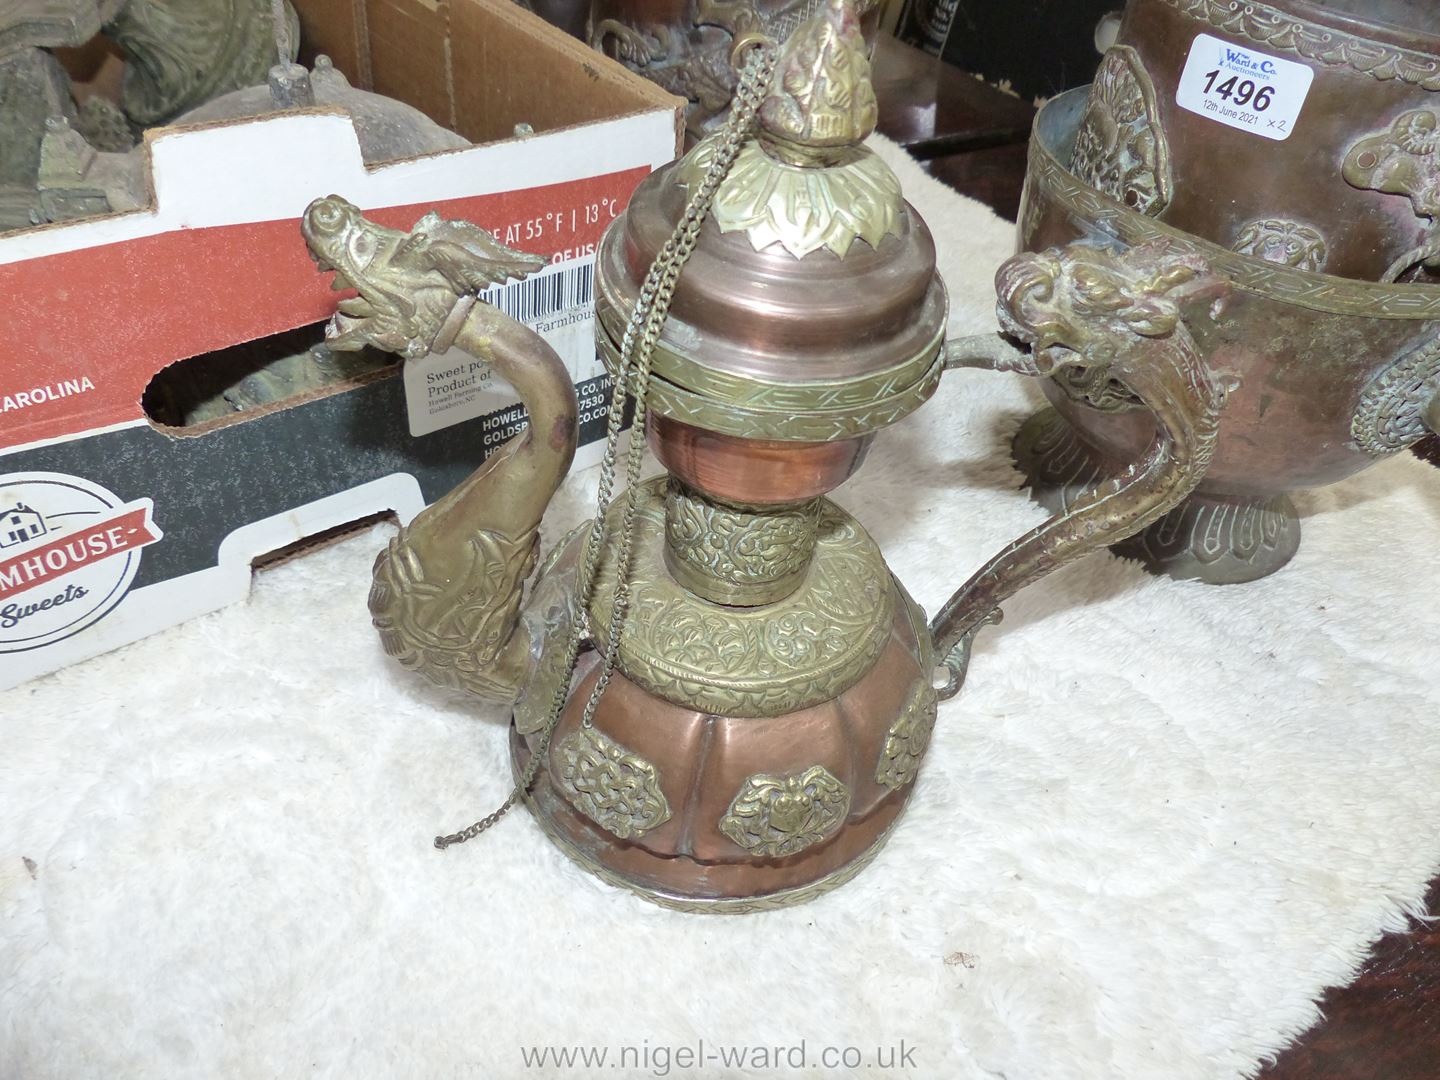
x: 556, y: 289
x: 558, y: 303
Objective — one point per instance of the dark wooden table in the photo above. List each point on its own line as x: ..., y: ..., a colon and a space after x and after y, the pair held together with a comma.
x: 967, y: 133
x: 933, y: 109
x: 1383, y: 1026
x: 972, y: 136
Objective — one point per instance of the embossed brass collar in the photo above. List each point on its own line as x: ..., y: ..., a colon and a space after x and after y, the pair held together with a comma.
x: 820, y: 422
x: 766, y: 661
x: 803, y: 209
x: 759, y: 395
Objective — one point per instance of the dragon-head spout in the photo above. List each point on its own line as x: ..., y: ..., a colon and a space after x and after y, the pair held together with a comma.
x: 408, y: 282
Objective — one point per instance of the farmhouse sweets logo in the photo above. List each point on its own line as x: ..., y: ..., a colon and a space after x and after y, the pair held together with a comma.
x: 69, y: 550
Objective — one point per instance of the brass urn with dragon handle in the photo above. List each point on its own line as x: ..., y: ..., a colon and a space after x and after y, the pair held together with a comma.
x: 759, y: 693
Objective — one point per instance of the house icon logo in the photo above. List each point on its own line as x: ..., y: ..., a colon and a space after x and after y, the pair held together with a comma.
x: 69, y: 551
x: 20, y: 524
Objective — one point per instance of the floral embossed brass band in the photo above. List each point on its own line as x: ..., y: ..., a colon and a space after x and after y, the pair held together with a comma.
x: 743, y: 556
x: 1320, y: 292
x: 735, y: 661
x: 1275, y: 29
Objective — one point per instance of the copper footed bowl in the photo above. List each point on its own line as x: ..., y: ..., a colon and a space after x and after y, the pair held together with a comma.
x: 1205, y: 114
x: 1333, y: 375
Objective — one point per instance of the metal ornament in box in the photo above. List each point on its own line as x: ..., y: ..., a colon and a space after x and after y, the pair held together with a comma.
x: 60, y: 161
x: 685, y: 45
x: 721, y: 694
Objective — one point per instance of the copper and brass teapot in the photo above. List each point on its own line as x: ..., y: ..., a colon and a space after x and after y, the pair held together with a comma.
x: 721, y: 695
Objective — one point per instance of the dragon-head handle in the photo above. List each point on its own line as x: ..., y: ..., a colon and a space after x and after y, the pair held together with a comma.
x: 1113, y: 325
x: 1078, y: 305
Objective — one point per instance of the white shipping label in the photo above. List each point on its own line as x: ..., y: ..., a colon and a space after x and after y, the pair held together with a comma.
x: 451, y: 387
x: 1242, y: 88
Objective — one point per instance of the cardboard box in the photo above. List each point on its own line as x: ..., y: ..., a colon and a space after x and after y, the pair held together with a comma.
x: 113, y: 525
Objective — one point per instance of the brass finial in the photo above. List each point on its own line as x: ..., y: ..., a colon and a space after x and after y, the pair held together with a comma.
x: 821, y: 103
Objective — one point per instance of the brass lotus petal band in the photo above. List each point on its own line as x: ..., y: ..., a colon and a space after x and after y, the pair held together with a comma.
x: 1304, y: 288
x: 858, y: 199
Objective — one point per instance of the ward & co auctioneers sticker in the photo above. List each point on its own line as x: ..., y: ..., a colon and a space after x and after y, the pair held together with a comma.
x: 557, y: 303
x: 1242, y: 88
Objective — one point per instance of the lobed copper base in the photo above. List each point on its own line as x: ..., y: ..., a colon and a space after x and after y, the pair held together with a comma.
x: 655, y: 878
x: 1219, y: 539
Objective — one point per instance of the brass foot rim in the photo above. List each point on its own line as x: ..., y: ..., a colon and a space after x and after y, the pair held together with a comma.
x: 725, y: 905
x: 1217, y: 539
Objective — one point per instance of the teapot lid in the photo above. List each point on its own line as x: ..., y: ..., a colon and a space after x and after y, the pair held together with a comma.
x: 810, y: 308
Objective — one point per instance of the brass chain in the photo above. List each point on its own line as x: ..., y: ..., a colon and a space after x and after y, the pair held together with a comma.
x: 652, y: 307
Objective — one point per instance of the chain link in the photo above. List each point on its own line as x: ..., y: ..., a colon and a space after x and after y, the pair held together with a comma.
x: 652, y: 307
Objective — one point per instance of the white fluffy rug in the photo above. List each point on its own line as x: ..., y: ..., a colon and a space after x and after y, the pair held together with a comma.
x: 1158, y: 822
